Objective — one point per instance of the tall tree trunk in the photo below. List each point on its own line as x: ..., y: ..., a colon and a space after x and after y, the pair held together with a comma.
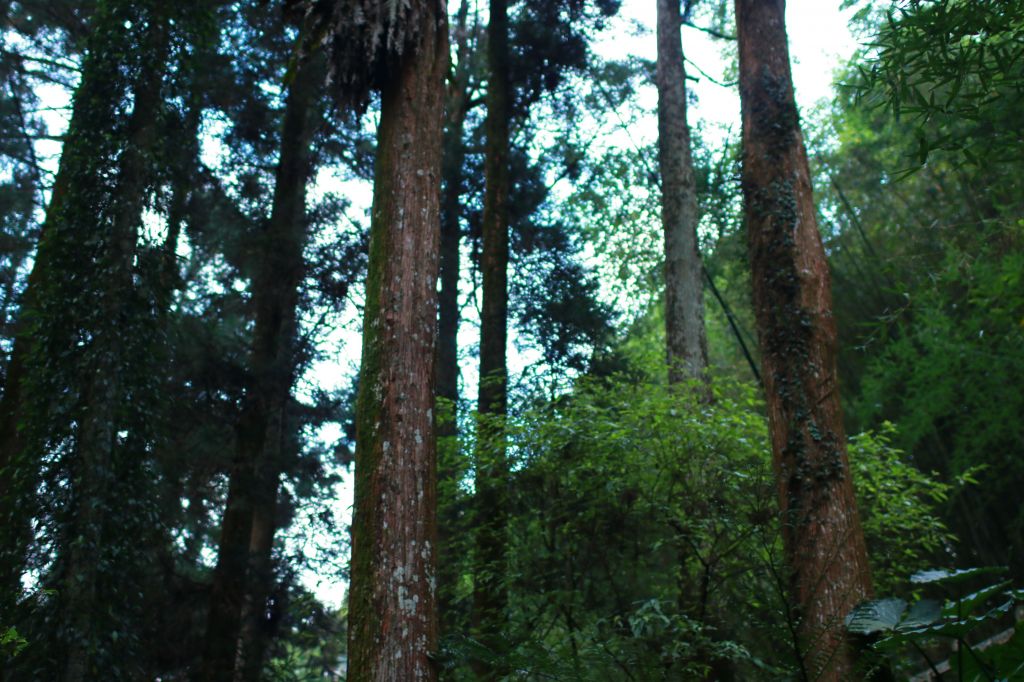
x: 392, y: 616
x: 685, y: 340
x: 489, y: 581
x: 94, y: 466
x: 243, y: 578
x: 822, y: 536
x: 447, y: 368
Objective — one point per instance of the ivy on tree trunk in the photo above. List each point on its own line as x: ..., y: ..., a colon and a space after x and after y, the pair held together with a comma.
x: 824, y: 544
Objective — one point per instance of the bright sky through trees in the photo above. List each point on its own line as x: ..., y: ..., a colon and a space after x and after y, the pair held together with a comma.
x: 820, y: 40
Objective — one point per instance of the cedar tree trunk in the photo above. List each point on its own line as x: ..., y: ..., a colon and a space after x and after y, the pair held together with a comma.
x: 685, y: 340
x: 392, y: 617
x: 823, y: 541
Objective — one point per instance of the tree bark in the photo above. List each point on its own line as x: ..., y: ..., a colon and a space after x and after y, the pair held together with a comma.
x: 244, y: 576
x: 489, y: 581
x: 392, y: 615
x: 685, y: 340
x: 823, y: 541
x: 447, y: 368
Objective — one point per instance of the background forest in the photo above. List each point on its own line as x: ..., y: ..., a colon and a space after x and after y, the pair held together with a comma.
x: 186, y: 264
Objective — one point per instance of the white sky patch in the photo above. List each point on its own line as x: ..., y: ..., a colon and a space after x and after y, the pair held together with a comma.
x: 820, y: 40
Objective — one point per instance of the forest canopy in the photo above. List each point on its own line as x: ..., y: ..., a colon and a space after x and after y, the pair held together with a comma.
x: 507, y: 340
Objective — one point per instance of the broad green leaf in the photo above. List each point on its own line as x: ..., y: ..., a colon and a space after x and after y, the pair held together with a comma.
x: 942, y: 576
x: 922, y: 613
x: 880, y: 615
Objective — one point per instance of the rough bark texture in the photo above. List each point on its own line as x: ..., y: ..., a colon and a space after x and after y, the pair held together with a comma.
x: 392, y: 615
x: 685, y: 340
x: 244, y: 576
x: 792, y: 300
x: 447, y: 367
x: 489, y: 580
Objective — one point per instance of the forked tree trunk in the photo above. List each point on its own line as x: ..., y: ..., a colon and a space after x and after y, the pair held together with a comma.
x: 489, y: 580
x: 823, y: 541
x: 243, y: 578
x: 275, y: 357
x: 685, y: 340
x: 392, y: 617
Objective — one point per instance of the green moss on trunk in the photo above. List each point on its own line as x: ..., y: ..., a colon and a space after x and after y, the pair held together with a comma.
x: 392, y: 615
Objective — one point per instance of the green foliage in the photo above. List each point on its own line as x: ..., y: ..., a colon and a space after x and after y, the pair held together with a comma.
x: 312, y: 644
x: 637, y: 502
x: 956, y: 624
x: 644, y: 533
x: 956, y: 68
x: 955, y: 364
x: 926, y: 265
x: 11, y: 643
x: 898, y: 504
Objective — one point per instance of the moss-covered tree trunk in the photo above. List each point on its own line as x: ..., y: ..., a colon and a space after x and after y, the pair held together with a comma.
x: 243, y: 578
x: 823, y: 541
x: 103, y: 381
x: 453, y: 181
x: 18, y: 476
x: 392, y: 617
x: 489, y: 575
x: 685, y: 340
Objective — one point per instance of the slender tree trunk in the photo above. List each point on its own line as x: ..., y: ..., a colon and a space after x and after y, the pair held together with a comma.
x: 489, y: 583
x: 183, y: 182
x: 276, y: 295
x: 243, y: 578
x: 685, y: 340
x: 447, y: 368
x: 227, y: 592
x: 454, y: 157
x: 392, y: 616
x: 822, y: 536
